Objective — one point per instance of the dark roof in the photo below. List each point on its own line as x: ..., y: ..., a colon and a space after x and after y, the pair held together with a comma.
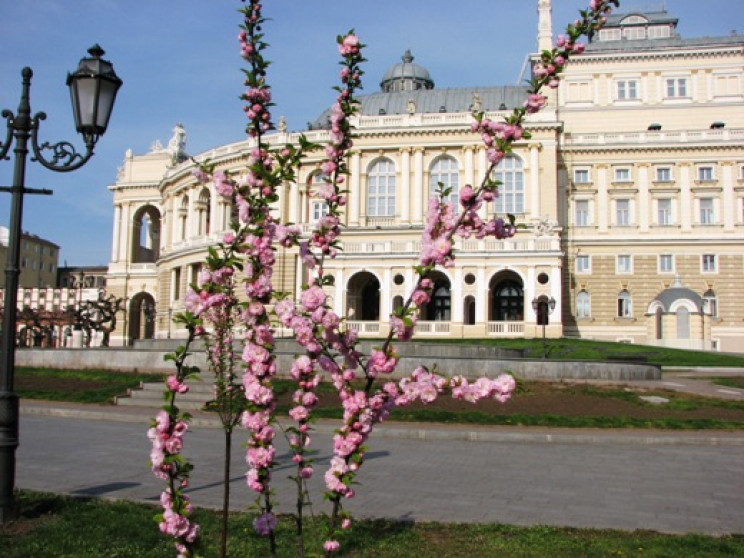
x: 669, y: 296
x: 614, y: 19
x: 626, y: 45
x: 458, y: 99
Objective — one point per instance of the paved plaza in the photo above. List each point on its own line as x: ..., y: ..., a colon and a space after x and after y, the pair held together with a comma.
x: 670, y: 482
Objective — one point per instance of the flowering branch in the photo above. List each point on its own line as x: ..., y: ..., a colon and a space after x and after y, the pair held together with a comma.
x: 166, y: 462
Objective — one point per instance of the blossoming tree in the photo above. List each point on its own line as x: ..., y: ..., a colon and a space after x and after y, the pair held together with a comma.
x: 245, y: 258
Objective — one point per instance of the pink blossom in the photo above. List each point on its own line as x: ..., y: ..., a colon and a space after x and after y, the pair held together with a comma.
x: 264, y: 524
x: 331, y: 546
x: 312, y: 298
x: 349, y: 45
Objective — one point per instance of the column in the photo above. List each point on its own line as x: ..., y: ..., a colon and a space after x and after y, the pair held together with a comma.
x: 481, y: 299
x: 385, y: 299
x: 530, y: 292
x: 535, y: 202
x: 115, y: 239
x: 338, y: 296
x: 418, y: 185
x: 644, y: 201
x: 294, y: 203
x: 355, y: 189
x: 728, y: 203
x: 125, y: 233
x: 603, y: 200
x: 482, y: 168
x: 214, y: 213
x: 456, y: 300
x: 685, y: 196
x: 176, y: 219
x: 192, y: 218
x: 405, y: 190
x: 469, y: 171
x: 555, y: 292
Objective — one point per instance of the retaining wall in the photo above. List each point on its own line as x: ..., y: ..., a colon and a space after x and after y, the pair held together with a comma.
x: 471, y: 361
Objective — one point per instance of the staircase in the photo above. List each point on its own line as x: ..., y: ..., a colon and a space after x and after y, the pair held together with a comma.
x: 150, y: 395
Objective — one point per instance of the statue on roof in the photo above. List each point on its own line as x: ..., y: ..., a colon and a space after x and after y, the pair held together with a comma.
x: 177, y: 144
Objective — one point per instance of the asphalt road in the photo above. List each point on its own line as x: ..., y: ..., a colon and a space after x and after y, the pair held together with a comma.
x: 685, y: 487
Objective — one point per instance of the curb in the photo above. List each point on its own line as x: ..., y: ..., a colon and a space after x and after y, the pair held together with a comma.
x: 434, y: 432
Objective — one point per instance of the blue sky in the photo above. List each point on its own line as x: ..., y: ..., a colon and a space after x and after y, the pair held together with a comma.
x: 179, y: 62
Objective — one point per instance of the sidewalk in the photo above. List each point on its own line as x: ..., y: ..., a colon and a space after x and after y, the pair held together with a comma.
x: 420, y: 431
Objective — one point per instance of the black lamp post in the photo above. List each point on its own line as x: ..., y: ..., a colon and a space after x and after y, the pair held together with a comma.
x: 543, y: 307
x: 93, y: 88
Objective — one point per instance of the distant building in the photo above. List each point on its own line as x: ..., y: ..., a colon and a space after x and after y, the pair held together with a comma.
x: 630, y: 192
x: 37, y: 262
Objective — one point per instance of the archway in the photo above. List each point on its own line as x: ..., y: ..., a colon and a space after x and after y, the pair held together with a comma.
x: 363, y: 297
x: 142, y: 316
x: 506, y: 295
x: 146, y: 235
x: 469, y: 310
x: 438, y: 309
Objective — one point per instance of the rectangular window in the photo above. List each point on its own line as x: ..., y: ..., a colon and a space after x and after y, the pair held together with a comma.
x: 705, y: 174
x: 176, y: 284
x: 624, y: 263
x: 676, y: 87
x: 663, y: 174
x: 583, y: 264
x: 581, y: 176
x: 582, y: 213
x: 320, y: 209
x: 634, y: 33
x: 622, y: 175
x: 622, y: 213
x: 664, y: 211
x: 708, y: 263
x: 666, y: 263
x: 624, y: 306
x: 706, y: 211
x: 627, y: 89
x: 583, y: 305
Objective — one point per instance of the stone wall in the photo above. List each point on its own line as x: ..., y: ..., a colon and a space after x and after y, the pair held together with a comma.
x: 471, y: 361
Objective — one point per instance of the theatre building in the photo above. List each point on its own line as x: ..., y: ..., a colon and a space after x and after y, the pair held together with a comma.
x: 630, y: 192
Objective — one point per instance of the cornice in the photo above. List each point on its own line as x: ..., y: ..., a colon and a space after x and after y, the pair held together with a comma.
x: 662, y: 53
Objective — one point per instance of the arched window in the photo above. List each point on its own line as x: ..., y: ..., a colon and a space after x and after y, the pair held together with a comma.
x: 710, y: 303
x: 508, y: 302
x: 183, y: 217
x: 469, y: 310
x: 439, y: 307
x: 381, y: 189
x: 583, y: 305
x: 363, y: 297
x: 444, y: 170
x: 203, y: 212
x: 397, y: 302
x: 624, y: 306
x: 511, y: 190
x: 146, y: 235
x: 318, y: 207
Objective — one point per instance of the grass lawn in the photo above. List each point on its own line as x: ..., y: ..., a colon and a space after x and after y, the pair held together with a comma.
x: 77, y: 386
x: 63, y: 527
x: 544, y: 404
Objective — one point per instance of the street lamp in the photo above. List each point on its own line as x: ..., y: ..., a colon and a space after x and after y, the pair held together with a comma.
x: 543, y: 307
x: 93, y: 88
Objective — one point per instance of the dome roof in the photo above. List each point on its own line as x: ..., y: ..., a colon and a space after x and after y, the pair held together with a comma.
x: 676, y: 292
x: 406, y: 76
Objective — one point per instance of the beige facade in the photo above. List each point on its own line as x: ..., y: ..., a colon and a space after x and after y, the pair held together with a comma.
x: 630, y: 193
x: 37, y: 261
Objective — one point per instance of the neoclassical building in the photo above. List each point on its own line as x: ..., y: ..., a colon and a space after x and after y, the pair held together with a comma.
x: 630, y: 192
